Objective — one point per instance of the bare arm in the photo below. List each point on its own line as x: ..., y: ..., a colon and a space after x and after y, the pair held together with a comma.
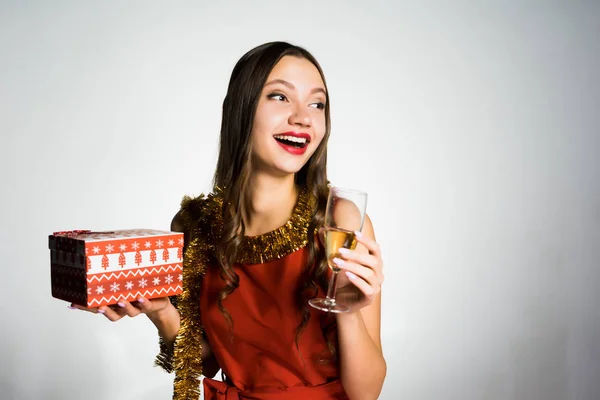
x: 163, y: 315
x: 363, y: 367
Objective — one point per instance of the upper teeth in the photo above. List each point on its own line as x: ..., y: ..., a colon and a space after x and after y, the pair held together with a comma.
x: 292, y: 138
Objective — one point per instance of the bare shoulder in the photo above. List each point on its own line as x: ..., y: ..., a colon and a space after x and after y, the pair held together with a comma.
x: 368, y: 229
x: 346, y: 214
x: 368, y: 232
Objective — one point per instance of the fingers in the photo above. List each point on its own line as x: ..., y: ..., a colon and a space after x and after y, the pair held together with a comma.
x: 113, y: 313
x: 126, y: 308
x: 366, y: 259
x: 364, y: 270
x: 365, y: 287
x: 144, y: 305
x: 362, y: 277
x: 370, y: 244
x: 106, y: 311
x: 117, y: 311
x: 370, y: 261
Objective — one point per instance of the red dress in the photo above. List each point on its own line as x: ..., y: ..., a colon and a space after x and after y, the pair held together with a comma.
x: 259, y: 357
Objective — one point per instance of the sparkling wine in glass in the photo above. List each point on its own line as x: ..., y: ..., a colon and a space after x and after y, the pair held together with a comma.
x: 344, y: 215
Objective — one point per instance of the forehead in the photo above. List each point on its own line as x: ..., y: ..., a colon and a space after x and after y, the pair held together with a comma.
x: 298, y: 71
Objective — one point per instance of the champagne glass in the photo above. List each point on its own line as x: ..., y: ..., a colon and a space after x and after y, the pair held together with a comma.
x: 344, y: 215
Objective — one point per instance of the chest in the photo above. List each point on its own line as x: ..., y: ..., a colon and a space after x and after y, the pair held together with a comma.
x: 267, y: 295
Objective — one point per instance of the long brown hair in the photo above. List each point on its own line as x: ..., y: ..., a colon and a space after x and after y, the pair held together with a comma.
x: 235, y: 164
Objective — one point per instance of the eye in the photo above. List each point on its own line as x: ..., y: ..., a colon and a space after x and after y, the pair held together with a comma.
x: 319, y: 105
x: 277, y: 96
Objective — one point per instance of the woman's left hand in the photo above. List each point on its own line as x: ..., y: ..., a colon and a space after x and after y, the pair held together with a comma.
x: 364, y: 272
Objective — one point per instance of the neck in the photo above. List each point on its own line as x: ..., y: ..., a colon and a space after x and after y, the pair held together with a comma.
x: 271, y: 202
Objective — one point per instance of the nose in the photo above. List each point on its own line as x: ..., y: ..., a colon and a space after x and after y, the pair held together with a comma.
x: 300, y: 116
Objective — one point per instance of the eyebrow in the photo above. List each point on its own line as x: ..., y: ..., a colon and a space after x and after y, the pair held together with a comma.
x: 292, y: 87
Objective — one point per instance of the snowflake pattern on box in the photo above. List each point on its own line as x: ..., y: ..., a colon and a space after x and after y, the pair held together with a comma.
x: 101, y: 268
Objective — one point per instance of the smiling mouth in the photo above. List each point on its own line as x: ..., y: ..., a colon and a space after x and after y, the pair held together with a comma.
x: 293, y: 141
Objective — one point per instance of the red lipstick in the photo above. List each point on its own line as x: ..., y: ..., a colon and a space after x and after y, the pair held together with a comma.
x: 293, y: 142
x: 296, y: 134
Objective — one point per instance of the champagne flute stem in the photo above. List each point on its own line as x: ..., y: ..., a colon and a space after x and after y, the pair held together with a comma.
x: 332, y: 285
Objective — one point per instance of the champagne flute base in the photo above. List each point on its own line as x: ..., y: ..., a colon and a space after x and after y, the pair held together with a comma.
x: 328, y: 305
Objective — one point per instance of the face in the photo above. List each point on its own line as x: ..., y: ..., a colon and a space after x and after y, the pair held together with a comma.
x: 289, y: 122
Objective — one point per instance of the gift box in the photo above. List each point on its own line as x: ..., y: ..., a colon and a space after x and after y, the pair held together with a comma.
x: 101, y: 268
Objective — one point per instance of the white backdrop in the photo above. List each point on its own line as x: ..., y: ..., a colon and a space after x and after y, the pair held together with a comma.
x: 474, y: 128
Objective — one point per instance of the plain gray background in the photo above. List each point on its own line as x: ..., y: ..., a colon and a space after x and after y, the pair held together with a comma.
x: 472, y: 125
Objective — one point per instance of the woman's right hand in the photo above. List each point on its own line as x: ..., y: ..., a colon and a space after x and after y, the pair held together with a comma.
x: 152, y: 308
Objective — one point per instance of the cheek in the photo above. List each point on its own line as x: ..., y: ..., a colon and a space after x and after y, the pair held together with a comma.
x: 260, y: 129
x: 317, y: 141
x: 266, y: 121
x: 319, y: 127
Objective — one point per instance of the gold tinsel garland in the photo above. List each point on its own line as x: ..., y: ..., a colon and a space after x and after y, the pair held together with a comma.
x: 282, y: 241
x: 202, y: 217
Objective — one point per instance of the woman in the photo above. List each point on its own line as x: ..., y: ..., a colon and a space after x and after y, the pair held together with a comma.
x: 253, y: 257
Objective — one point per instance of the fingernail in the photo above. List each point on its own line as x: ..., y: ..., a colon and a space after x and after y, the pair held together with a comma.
x: 344, y: 251
x: 358, y: 234
x: 140, y: 300
x: 350, y: 275
x: 122, y: 305
x: 339, y: 261
x: 101, y: 311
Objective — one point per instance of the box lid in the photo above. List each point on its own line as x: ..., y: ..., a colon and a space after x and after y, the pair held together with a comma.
x: 76, y: 241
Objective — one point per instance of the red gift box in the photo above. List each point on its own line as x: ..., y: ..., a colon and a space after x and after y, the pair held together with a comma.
x: 100, y: 268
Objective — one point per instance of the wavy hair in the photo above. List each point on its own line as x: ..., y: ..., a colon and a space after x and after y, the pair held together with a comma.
x: 234, y: 166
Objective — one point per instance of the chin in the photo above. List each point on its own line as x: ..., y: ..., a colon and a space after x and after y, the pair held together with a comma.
x: 282, y: 165
x: 288, y: 170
